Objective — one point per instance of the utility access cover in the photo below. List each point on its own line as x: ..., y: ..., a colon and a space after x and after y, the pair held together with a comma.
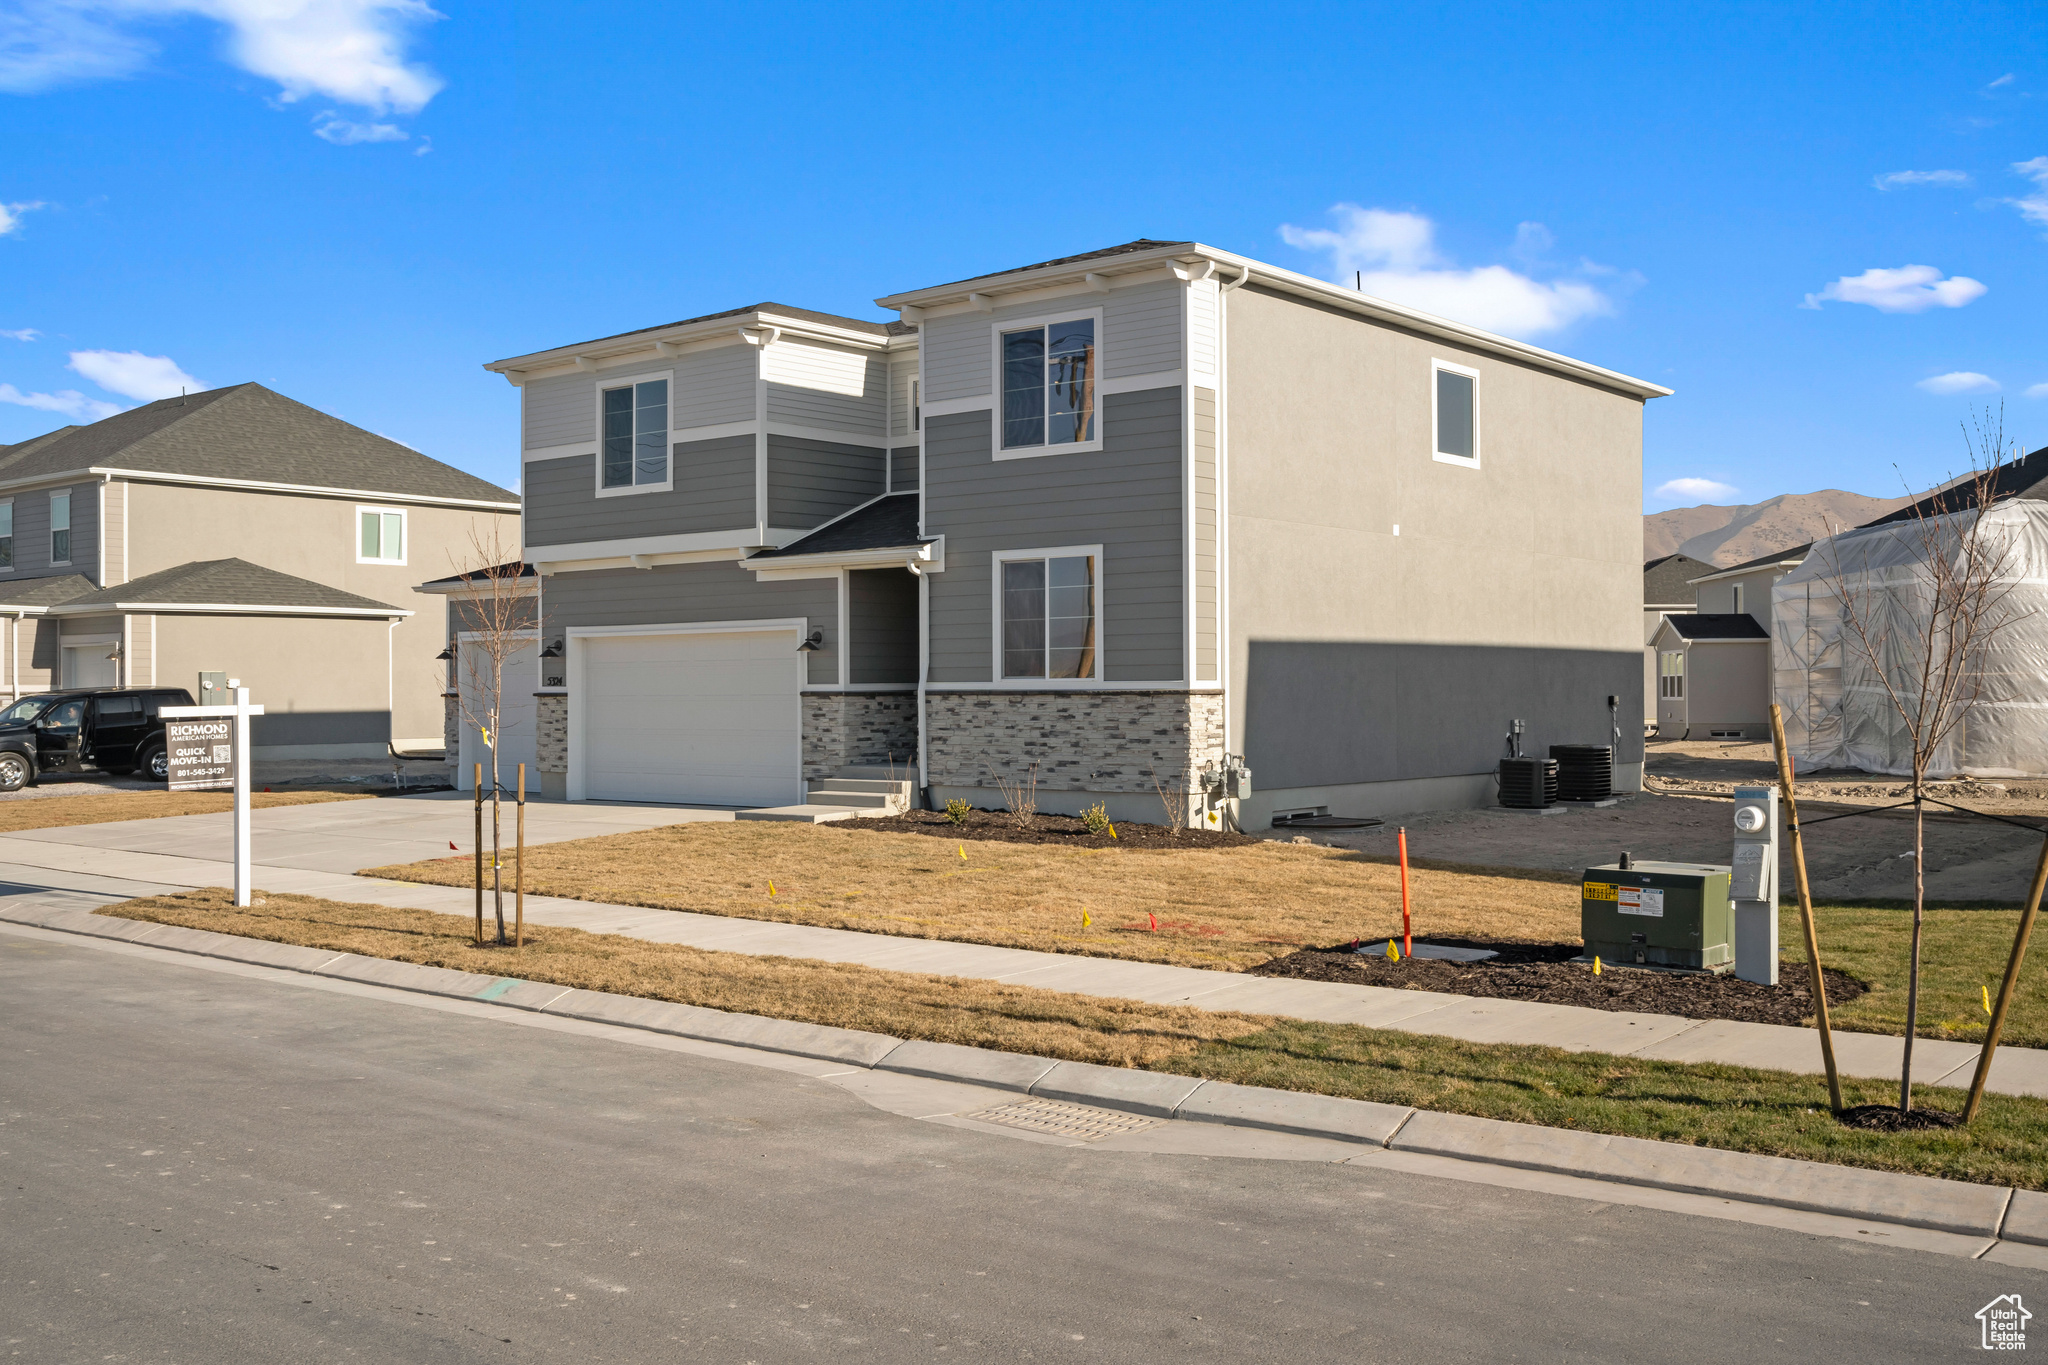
x: 1061, y: 1119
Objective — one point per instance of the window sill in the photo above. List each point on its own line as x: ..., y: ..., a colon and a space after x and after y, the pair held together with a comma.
x: 628, y: 490
x: 1459, y: 460
x: 1039, y: 452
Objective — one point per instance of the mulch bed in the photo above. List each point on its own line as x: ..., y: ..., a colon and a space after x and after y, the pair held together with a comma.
x: 1889, y: 1118
x: 1002, y: 827
x: 1544, y: 972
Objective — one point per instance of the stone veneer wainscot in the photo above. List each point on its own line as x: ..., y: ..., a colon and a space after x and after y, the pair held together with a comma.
x: 1081, y: 741
x: 858, y: 729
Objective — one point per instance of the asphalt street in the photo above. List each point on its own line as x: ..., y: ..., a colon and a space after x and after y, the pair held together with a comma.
x: 205, y: 1167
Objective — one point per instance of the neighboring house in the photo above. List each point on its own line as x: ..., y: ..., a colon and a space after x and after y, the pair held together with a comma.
x: 1667, y: 589
x: 1721, y: 690
x: 239, y: 532
x: 1104, y: 522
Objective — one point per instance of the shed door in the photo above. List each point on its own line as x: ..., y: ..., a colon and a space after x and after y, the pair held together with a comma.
x: 704, y: 718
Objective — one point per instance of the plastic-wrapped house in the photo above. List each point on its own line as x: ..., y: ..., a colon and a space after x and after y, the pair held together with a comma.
x: 1839, y: 712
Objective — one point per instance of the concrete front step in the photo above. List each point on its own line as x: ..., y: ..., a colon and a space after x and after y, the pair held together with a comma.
x: 808, y: 813
x: 882, y: 772
x: 859, y: 800
x: 861, y: 784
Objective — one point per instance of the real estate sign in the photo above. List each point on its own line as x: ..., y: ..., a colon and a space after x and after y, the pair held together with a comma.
x: 202, y: 753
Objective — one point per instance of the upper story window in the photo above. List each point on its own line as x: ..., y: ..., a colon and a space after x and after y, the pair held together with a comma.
x: 7, y: 534
x: 1047, y: 373
x: 634, y: 451
x: 60, y: 528
x: 916, y: 413
x: 380, y: 535
x: 1050, y: 613
x: 1456, y: 421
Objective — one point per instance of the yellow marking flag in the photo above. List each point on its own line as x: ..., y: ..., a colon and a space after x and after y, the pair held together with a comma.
x: 1393, y: 953
x: 1596, y: 964
x: 1085, y: 919
x: 771, y: 888
x: 1987, y: 998
x: 963, y: 853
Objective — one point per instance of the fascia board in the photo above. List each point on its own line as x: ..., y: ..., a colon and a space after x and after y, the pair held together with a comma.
x: 739, y: 540
x: 315, y: 490
x: 218, y: 609
x: 931, y: 558
x: 1287, y: 281
x: 707, y: 335
x: 1744, y: 570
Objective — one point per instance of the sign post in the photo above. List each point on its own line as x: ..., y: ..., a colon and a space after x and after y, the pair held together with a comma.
x: 208, y: 748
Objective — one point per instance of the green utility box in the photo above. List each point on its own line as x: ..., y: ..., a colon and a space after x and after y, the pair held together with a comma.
x: 1659, y: 915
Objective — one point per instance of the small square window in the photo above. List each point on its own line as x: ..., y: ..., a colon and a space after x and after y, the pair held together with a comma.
x: 6, y: 535
x: 380, y: 535
x: 1455, y: 417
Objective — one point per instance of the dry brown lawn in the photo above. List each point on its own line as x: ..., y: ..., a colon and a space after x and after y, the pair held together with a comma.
x: 100, y: 808
x: 944, y: 1009
x: 1227, y: 908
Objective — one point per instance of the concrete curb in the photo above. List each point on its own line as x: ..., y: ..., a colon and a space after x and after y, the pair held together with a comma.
x: 1879, y: 1196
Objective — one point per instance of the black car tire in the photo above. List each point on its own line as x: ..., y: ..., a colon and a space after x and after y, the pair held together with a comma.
x: 16, y: 771
x: 156, y: 764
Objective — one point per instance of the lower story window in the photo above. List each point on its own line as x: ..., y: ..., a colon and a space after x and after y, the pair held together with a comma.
x: 1671, y: 675
x: 1048, y: 616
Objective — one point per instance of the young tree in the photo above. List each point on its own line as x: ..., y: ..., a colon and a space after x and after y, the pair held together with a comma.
x: 1922, y: 601
x: 495, y: 616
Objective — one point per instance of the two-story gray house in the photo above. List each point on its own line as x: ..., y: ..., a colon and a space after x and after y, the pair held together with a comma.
x: 1123, y: 520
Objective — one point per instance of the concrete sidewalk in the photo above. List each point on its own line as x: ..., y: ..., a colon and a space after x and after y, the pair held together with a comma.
x: 313, y: 850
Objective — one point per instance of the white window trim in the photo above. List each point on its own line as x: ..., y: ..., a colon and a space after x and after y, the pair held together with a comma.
x: 668, y: 439
x: 1477, y: 449
x: 8, y: 503
x: 995, y: 384
x: 997, y: 558
x: 54, y: 494
x: 404, y: 533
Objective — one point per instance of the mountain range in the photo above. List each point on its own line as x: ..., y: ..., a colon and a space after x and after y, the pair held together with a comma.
x: 1722, y: 536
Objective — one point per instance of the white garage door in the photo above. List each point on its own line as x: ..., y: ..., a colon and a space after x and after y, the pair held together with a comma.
x: 706, y: 718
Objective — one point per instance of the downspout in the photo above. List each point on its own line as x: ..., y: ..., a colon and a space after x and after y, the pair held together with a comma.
x: 1225, y: 654
x: 924, y: 668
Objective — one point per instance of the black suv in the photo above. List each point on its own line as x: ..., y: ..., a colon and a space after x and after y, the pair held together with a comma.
x: 104, y: 729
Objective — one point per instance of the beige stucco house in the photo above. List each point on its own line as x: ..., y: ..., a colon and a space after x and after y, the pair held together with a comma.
x: 237, y: 531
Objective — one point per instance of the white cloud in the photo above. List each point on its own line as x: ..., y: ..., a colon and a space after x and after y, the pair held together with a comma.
x: 1702, y: 490
x: 1959, y: 381
x: 21, y: 334
x: 343, y: 133
x: 10, y: 215
x: 2033, y: 207
x: 2037, y: 390
x: 133, y: 374
x: 1396, y: 255
x: 1899, y: 180
x: 354, y: 51
x: 70, y: 402
x: 1909, y: 289
x: 2006, y: 79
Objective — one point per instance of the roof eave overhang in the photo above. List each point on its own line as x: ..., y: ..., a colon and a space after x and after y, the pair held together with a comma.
x: 1742, y: 569
x: 755, y: 328
x: 221, y: 609
x: 926, y: 558
x: 1186, y: 259
x: 265, y: 486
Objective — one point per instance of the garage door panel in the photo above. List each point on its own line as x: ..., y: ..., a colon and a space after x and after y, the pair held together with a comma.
x: 708, y: 718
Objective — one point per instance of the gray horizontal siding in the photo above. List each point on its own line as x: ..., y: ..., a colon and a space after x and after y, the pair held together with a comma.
x: 682, y: 594
x: 32, y: 534
x: 1126, y: 497
x: 902, y: 370
x: 714, y: 491
x: 820, y: 403
x: 903, y: 469
x: 706, y: 388
x: 810, y: 482
x: 1140, y: 335
x: 881, y: 623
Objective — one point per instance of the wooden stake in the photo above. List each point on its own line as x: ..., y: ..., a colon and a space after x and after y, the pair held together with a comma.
x: 478, y: 786
x: 1820, y: 986
x: 2006, y: 987
x: 519, y: 867
x: 1407, y: 938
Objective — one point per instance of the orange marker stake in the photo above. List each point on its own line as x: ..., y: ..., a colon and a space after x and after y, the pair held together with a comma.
x: 1407, y: 939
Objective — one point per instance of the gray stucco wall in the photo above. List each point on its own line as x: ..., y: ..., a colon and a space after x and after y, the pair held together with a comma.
x: 683, y: 593
x: 1359, y: 655
x: 714, y: 491
x: 810, y: 481
x: 881, y: 619
x: 1125, y: 497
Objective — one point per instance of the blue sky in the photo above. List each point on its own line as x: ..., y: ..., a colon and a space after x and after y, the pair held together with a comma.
x: 1823, y: 226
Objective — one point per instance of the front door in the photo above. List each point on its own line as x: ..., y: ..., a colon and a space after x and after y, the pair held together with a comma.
x: 57, y: 735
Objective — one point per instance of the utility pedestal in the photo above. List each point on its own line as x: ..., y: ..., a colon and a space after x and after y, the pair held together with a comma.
x: 1753, y: 884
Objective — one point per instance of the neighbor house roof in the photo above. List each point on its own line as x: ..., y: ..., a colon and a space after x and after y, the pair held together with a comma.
x: 887, y: 523
x: 225, y: 586
x: 247, y: 435
x: 34, y: 594
x: 2026, y: 477
x: 1669, y: 579
x: 1787, y: 558
x: 1738, y: 625
x: 464, y: 582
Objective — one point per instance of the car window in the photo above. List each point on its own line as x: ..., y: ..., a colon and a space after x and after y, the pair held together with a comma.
x: 28, y: 708
x: 119, y: 710
x: 65, y: 716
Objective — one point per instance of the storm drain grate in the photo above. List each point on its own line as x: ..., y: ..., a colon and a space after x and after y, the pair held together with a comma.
x: 1064, y: 1120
